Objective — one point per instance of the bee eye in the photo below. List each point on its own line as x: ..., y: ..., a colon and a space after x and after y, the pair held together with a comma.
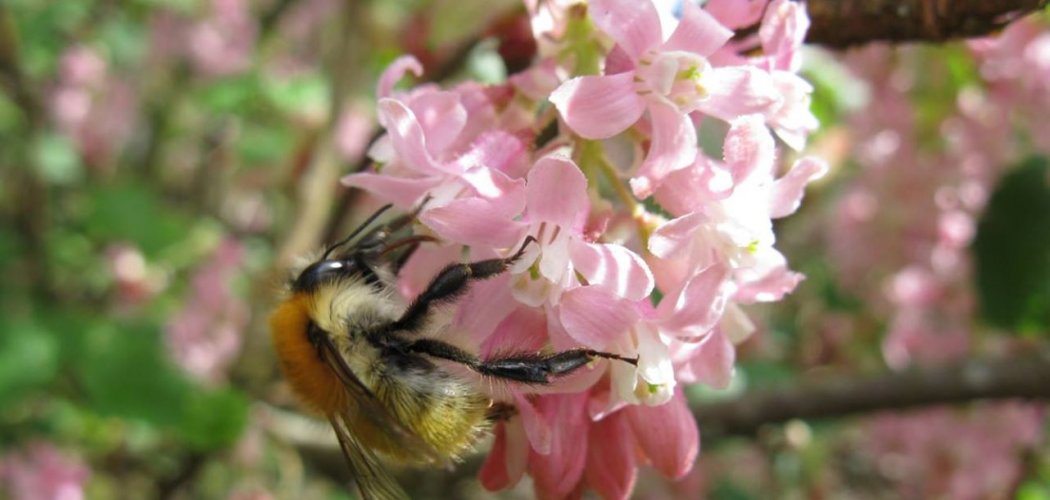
x: 356, y: 264
x: 320, y: 272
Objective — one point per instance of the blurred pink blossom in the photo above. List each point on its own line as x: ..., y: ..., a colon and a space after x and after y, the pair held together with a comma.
x: 134, y: 279
x: 220, y: 43
x: 41, y: 472
x: 92, y: 106
x: 206, y: 335
x: 968, y: 454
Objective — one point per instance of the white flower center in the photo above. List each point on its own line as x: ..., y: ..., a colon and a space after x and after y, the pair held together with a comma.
x: 675, y: 76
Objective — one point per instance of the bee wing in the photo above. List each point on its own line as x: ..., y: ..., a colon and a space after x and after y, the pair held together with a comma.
x: 374, y: 482
x: 366, y: 407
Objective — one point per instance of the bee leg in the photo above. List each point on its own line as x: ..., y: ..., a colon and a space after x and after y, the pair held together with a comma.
x: 542, y: 368
x: 451, y: 283
x: 525, y: 368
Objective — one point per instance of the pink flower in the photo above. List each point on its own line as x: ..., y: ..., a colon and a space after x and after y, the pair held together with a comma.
x: 41, y: 472
x: 555, y: 208
x: 222, y: 43
x: 602, y: 455
x: 92, y: 106
x: 590, y: 265
x: 205, y: 336
x: 668, y: 78
x: 728, y: 215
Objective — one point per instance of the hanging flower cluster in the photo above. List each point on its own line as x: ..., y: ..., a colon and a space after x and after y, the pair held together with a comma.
x: 647, y: 245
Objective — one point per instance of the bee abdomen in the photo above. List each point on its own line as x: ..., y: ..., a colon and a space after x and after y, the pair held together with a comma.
x: 444, y: 411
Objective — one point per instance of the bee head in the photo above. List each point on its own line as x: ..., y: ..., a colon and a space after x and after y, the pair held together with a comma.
x: 356, y: 264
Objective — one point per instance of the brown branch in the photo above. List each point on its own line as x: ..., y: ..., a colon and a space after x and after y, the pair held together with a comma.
x: 1018, y: 376
x: 1021, y: 376
x: 842, y: 23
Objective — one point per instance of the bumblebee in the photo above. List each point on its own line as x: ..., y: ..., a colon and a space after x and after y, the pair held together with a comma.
x: 358, y: 354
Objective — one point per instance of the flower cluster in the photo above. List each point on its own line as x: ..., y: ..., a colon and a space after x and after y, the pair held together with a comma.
x: 927, y: 290
x: 646, y: 246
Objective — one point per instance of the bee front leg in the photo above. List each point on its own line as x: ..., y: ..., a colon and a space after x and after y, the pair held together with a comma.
x: 451, y: 283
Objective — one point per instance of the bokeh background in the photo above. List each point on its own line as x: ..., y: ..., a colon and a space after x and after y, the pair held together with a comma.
x: 164, y: 160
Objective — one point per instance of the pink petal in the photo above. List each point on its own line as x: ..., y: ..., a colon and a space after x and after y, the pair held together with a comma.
x: 556, y: 192
x: 559, y: 338
x: 782, y: 33
x: 441, y: 116
x: 771, y: 287
x: 611, y: 469
x: 735, y: 14
x: 694, y: 187
x: 493, y: 474
x: 556, y: 474
x: 473, y: 221
x: 395, y: 71
x: 614, y: 267
x: 738, y: 90
x: 788, y: 190
x: 523, y: 330
x: 698, y: 32
x: 401, y: 191
x: 505, y: 464
x: 555, y: 262
x: 698, y: 306
x: 675, y: 236
x: 617, y: 61
x: 667, y: 434
x: 711, y: 362
x: 506, y: 194
x: 748, y: 147
x: 632, y: 24
x: 595, y: 317
x: 407, y: 137
x: 537, y: 427
x: 423, y: 265
x: 599, y: 107
x: 538, y: 81
x: 792, y: 119
x: 484, y: 309
x: 498, y: 150
x: 673, y: 147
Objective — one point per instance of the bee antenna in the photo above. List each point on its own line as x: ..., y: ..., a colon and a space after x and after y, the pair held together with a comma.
x: 372, y: 218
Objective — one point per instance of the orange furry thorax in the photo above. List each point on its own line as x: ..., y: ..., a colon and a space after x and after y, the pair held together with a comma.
x: 311, y: 380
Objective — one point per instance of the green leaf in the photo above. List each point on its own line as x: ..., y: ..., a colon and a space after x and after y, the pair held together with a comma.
x: 1034, y: 490
x: 213, y: 419
x: 133, y: 213
x: 124, y: 38
x: 11, y: 117
x: 1012, y: 250
x: 306, y: 94
x: 235, y: 95
x: 57, y: 160
x: 28, y: 359
x: 45, y: 29
x: 262, y: 145
x: 125, y: 373
x: 725, y: 489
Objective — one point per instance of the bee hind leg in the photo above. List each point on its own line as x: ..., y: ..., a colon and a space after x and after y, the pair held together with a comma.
x: 524, y: 368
